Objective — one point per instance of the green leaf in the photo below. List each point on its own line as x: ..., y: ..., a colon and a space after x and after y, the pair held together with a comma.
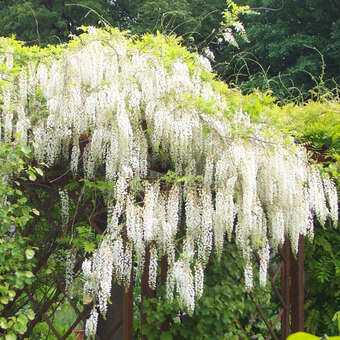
x: 32, y: 177
x: 30, y: 314
x: 39, y: 171
x: 3, y: 323
x: 4, y: 300
x: 29, y: 253
x: 25, y: 149
x: 11, y: 294
x: 10, y: 336
x: 20, y: 328
x: 22, y: 319
x: 21, y: 325
x: 89, y: 247
x: 87, y: 299
x: 35, y: 212
x: 302, y: 336
x: 29, y: 274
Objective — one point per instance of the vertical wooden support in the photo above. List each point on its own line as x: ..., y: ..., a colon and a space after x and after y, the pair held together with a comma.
x: 146, y: 291
x: 292, y: 289
x: 285, y: 289
x: 164, y: 273
x: 111, y: 328
x: 164, y: 269
x: 128, y: 311
x: 297, y: 289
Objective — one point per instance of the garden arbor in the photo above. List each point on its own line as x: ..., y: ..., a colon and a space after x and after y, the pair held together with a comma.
x: 180, y: 169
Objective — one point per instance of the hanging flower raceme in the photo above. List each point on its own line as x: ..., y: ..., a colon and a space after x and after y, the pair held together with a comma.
x: 65, y: 214
x: 112, y: 107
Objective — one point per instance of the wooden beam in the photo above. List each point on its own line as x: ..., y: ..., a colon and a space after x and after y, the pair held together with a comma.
x: 146, y: 291
x: 285, y: 289
x: 297, y: 288
x: 128, y: 311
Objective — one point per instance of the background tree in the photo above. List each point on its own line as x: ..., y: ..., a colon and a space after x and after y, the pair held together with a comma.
x: 294, y: 47
x: 49, y: 22
x: 52, y: 21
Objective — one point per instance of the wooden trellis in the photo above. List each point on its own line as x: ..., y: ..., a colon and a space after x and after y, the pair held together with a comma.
x: 119, y: 323
x: 290, y: 295
x: 121, y: 327
x: 111, y: 132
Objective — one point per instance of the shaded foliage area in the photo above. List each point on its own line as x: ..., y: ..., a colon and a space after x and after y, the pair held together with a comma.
x: 52, y: 21
x: 225, y: 311
x: 41, y: 22
x: 39, y: 249
x: 195, y: 20
x: 323, y: 281
x: 294, y: 46
x: 16, y: 250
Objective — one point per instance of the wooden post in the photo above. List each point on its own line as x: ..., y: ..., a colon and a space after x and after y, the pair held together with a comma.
x: 164, y: 273
x: 146, y: 291
x: 297, y: 289
x: 111, y: 328
x: 285, y: 289
x: 128, y: 311
x: 292, y: 289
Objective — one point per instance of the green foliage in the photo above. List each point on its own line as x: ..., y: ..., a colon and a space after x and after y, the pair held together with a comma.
x: 306, y: 336
x: 191, y: 19
x: 302, y: 336
x: 231, y: 23
x: 316, y: 125
x: 63, y: 318
x: 224, y: 311
x: 233, y: 12
x: 168, y: 48
x: 171, y: 177
x: 323, y: 281
x: 294, y: 47
x: 50, y: 22
x: 26, y: 233
x: 336, y: 318
x: 200, y: 104
x: 16, y: 252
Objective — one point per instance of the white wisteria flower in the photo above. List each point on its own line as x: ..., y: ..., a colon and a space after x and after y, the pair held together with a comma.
x: 119, y: 112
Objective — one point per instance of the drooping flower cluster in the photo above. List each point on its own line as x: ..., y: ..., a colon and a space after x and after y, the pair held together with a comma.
x: 110, y: 106
x: 65, y: 213
x: 69, y: 271
x: 91, y: 324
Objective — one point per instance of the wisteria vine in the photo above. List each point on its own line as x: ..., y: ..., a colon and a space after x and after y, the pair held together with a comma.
x: 134, y: 109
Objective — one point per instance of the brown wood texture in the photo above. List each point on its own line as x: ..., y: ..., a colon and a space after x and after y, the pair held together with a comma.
x: 297, y: 289
x: 146, y: 291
